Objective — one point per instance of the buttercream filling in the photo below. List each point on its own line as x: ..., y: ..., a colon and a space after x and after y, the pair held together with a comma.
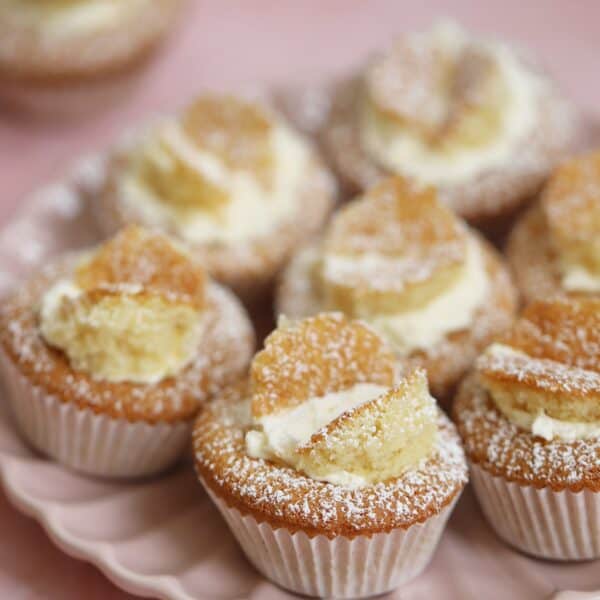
x: 549, y: 428
x: 453, y: 310
x: 539, y: 423
x: 279, y: 435
x: 250, y: 211
x: 402, y: 151
x: 576, y: 278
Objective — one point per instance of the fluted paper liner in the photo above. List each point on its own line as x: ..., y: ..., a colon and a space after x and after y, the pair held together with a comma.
x: 85, y: 441
x: 340, y: 567
x: 554, y: 525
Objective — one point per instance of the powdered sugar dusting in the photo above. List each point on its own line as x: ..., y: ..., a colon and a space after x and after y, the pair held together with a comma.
x: 396, y: 234
x: 503, y: 449
x: 546, y: 375
x: 226, y: 346
x: 319, y: 355
x: 566, y: 330
x: 493, y: 191
x: 283, y: 495
x: 570, y: 200
x: 533, y: 258
x: 409, y: 81
x: 446, y: 362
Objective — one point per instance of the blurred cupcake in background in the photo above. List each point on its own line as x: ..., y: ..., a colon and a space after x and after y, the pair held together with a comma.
x: 67, y: 56
x: 444, y: 108
x: 230, y: 178
x: 402, y: 261
x: 555, y: 247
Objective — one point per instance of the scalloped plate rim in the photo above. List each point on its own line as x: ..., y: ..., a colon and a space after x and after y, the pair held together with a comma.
x: 96, y: 553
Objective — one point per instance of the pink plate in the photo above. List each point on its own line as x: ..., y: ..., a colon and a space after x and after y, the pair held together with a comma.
x: 162, y: 537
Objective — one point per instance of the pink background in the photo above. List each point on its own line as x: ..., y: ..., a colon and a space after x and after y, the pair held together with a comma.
x: 231, y: 43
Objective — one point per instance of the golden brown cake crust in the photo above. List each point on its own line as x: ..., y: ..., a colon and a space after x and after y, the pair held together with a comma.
x: 447, y: 363
x: 26, y: 57
x: 226, y: 348
x: 135, y: 256
x: 504, y: 450
x: 531, y: 257
x: 549, y: 361
x: 494, y: 194
x: 285, y: 498
x: 248, y: 268
x: 570, y: 200
x: 566, y: 330
x: 533, y: 260
x: 277, y: 382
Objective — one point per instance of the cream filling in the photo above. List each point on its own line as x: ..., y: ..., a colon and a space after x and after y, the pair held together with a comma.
x: 121, y: 338
x: 548, y: 428
x: 403, y: 152
x: 251, y: 210
x: 576, y: 278
x: 67, y: 19
x: 278, y: 435
x: 540, y: 424
x: 453, y: 310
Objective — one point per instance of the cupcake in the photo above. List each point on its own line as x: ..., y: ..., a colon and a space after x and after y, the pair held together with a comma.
x: 444, y: 108
x: 399, y: 259
x: 529, y: 417
x: 555, y: 247
x: 107, y: 354
x: 336, y: 480
x: 228, y: 177
x: 63, y: 55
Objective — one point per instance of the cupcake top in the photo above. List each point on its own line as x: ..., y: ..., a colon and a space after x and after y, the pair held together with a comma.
x: 224, y: 171
x: 571, y: 205
x: 133, y: 309
x: 442, y: 106
x: 323, y: 426
x: 134, y: 328
x: 402, y: 261
x: 64, y: 38
x: 342, y: 423
x: 531, y: 410
x: 227, y: 176
x: 545, y: 373
x: 445, y: 108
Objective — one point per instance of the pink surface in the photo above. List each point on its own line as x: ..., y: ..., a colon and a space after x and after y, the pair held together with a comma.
x: 227, y: 44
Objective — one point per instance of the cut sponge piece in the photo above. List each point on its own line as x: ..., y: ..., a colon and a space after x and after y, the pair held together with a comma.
x: 149, y: 260
x: 238, y: 132
x: 549, y: 361
x: 316, y: 356
x: 392, y: 250
x: 571, y: 203
x: 379, y: 439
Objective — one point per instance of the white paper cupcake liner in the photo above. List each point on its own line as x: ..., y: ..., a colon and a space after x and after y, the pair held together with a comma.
x: 561, y: 525
x: 340, y: 567
x: 88, y: 442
